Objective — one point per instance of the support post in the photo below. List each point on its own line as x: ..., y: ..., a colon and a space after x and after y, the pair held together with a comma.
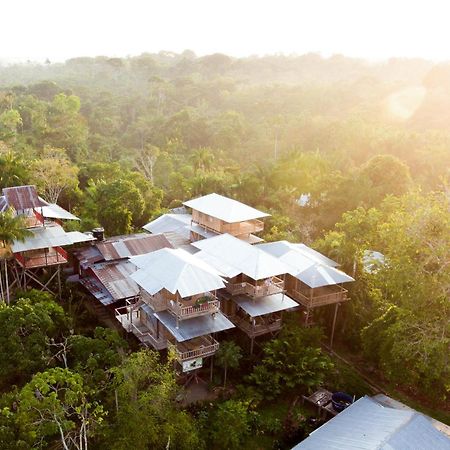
x: 251, y: 345
x: 334, y: 324
x: 59, y: 282
x: 211, y: 369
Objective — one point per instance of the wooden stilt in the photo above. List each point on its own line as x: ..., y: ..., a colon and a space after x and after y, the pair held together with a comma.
x: 251, y: 345
x: 334, y: 324
x: 59, y: 283
x: 211, y: 369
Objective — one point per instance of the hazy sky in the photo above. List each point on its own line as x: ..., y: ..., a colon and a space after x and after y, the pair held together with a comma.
x: 377, y: 29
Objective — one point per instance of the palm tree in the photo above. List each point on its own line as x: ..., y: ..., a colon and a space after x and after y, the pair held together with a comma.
x: 228, y: 355
x: 12, y: 228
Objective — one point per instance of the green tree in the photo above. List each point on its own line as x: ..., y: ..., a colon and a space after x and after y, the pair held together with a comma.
x: 228, y: 356
x: 55, y: 406
x: 12, y: 228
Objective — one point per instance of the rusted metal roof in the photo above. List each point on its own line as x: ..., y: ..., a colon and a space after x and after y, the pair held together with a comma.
x: 3, y: 204
x: 131, y: 246
x: 115, y: 277
x: 22, y: 197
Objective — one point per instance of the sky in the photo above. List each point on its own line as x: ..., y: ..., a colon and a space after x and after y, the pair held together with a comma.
x: 375, y: 30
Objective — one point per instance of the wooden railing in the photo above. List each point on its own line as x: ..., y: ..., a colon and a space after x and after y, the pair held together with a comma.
x: 258, y: 328
x: 206, y: 346
x: 274, y: 286
x: 184, y: 312
x: 320, y: 300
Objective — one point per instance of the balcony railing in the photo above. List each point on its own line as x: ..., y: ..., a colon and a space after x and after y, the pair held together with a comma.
x: 320, y: 300
x: 259, y: 328
x: 43, y: 258
x: 132, y: 322
x: 184, y: 312
x: 202, y: 346
x: 269, y: 287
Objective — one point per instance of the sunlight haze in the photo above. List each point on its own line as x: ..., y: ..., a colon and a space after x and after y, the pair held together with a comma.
x: 373, y: 30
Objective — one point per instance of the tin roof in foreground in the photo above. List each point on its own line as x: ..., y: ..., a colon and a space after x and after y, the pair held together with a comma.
x: 265, y: 305
x: 368, y: 425
x: 176, y: 271
x: 224, y: 208
x: 195, y: 327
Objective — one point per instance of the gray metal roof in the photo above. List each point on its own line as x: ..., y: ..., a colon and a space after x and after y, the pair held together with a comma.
x: 367, y: 425
x: 195, y: 327
x: 176, y: 271
x: 232, y: 256
x: 224, y: 208
x: 54, y: 211
x: 265, y: 305
x: 177, y: 223
x: 308, y: 266
x: 49, y: 236
x: 43, y: 237
x: 281, y: 248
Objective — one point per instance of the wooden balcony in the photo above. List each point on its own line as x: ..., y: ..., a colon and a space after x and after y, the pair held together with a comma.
x: 259, y: 327
x: 320, y: 297
x: 42, y: 258
x: 199, y: 347
x: 240, y: 228
x: 195, y: 310
x: 268, y: 287
x: 131, y: 321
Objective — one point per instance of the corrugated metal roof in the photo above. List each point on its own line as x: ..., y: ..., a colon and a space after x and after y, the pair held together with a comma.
x: 22, y: 197
x: 232, y: 256
x: 96, y: 288
x: 115, y: 277
x: 224, y: 208
x: 76, y: 237
x: 43, y: 237
x: 281, y: 248
x: 177, y: 223
x: 308, y: 266
x: 195, y: 327
x: 133, y: 245
x: 53, y: 211
x: 3, y: 204
x: 265, y: 305
x: 367, y: 425
x: 176, y: 271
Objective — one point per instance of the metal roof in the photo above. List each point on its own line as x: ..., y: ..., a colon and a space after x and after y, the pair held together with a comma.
x: 181, y: 224
x: 224, y: 208
x: 265, y: 305
x: 96, y: 289
x: 3, y: 204
x: 76, y: 237
x: 22, y: 197
x: 115, y: 277
x: 195, y: 327
x: 42, y: 237
x: 49, y: 236
x: 318, y: 275
x: 232, y: 256
x: 280, y: 248
x: 131, y: 246
x: 367, y: 425
x: 306, y: 266
x: 176, y: 271
x: 53, y: 211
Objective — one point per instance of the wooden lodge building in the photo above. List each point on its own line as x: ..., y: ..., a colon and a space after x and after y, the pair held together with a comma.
x: 44, y: 249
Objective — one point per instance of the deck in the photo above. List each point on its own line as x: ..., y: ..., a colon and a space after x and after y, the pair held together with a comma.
x: 268, y: 287
x: 186, y: 312
x: 131, y: 322
x: 42, y: 258
x: 261, y: 326
x: 320, y: 297
x: 199, y: 347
